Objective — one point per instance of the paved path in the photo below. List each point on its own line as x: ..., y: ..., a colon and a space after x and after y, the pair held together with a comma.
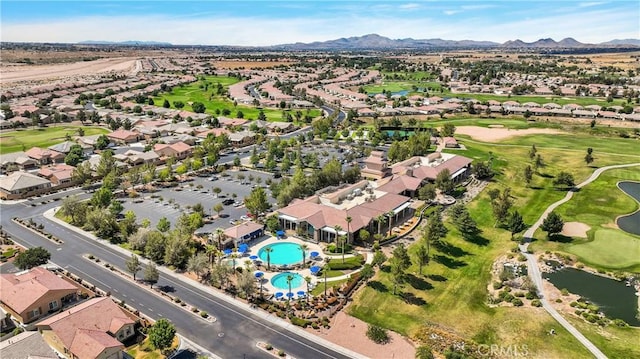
x: 534, y: 271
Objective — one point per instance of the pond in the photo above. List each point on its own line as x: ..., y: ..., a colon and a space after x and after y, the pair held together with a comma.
x: 615, y: 299
x: 630, y: 223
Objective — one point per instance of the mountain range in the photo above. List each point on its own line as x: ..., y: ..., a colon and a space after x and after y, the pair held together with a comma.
x: 125, y: 43
x: 377, y: 42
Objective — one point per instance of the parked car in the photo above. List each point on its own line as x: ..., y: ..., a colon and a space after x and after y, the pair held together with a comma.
x: 228, y: 202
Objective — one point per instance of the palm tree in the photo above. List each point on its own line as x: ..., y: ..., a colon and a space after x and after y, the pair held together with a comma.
x: 348, y: 219
x: 220, y: 233
x: 289, y: 280
x: 390, y: 214
x: 308, y: 280
x: 380, y: 219
x: 212, y: 251
x: 233, y: 260
x: 268, y: 251
x: 304, y: 248
x: 337, y: 228
x: 342, y: 240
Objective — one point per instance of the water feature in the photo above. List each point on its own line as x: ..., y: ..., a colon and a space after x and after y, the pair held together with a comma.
x: 615, y: 299
x: 284, y: 253
x: 280, y: 280
x: 630, y: 223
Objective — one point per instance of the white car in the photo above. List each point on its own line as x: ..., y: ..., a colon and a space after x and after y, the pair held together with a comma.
x: 245, y: 218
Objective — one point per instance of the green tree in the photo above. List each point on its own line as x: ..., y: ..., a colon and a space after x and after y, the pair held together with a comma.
x: 398, y: 275
x: 177, y: 252
x: 501, y: 205
x: 198, y: 264
x: 151, y: 274
x: 72, y: 207
x: 166, y: 104
x: 268, y: 251
x: 161, y: 334
x: 401, y: 253
x: 552, y: 224
x: 106, y: 164
x: 421, y: 257
x: 434, y: 230
x: 32, y: 257
x: 528, y: 175
x: 427, y: 192
x: 378, y: 259
x: 133, y: 265
x: 257, y: 202
x: 155, y: 247
x: 101, y: 198
x: 102, y: 142
x: 163, y: 225
x: 448, y: 130
x: 247, y: 284
x: 588, y: 158
x: 533, y: 152
x: 74, y: 156
x: 515, y: 223
x: 564, y: 179
x: 218, y: 208
x: 364, y: 235
x: 464, y: 222
x: 82, y: 173
x: 444, y: 182
x: 198, y: 107
x: 367, y: 272
x: 236, y: 161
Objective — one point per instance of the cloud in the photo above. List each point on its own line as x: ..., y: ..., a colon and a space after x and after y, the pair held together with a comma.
x: 409, y: 6
x: 590, y: 4
x: 451, y: 12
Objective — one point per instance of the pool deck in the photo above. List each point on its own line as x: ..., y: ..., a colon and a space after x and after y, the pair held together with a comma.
x: 255, y: 247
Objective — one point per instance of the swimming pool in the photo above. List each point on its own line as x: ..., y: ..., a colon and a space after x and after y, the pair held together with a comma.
x: 283, y: 253
x: 280, y: 280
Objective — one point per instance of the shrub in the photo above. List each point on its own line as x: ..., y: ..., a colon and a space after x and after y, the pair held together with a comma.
x: 195, y: 310
x: 522, y: 258
x: 315, y: 325
x: 299, y: 322
x: 177, y: 300
x: 564, y: 291
x: 573, y: 304
x: 497, y: 285
x: 536, y: 303
x: 268, y: 347
x: 517, y: 302
x: 91, y: 256
x: 519, y: 294
x: 530, y: 295
x: 281, y: 353
x: 424, y: 352
x: 377, y: 334
x: 204, y: 314
x: 620, y: 323
x: 558, y: 300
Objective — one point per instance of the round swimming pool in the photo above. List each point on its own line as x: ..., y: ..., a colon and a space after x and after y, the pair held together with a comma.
x: 280, y: 280
x: 282, y: 253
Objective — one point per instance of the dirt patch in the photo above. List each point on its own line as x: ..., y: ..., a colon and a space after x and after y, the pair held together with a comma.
x: 575, y: 229
x: 350, y: 333
x: 250, y: 64
x: 498, y: 134
x: 49, y: 72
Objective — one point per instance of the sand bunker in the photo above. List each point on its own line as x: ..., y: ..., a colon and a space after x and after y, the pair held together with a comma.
x: 497, y: 134
x: 575, y: 229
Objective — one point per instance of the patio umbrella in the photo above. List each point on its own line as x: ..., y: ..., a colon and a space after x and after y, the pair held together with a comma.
x: 258, y: 274
x: 315, y: 269
x: 301, y: 293
x: 228, y: 251
x: 290, y: 295
x: 279, y: 294
x: 253, y: 258
x: 243, y: 248
x: 280, y: 233
x: 314, y: 254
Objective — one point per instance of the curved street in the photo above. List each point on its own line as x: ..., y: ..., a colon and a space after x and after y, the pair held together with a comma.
x: 233, y: 335
x: 536, y: 275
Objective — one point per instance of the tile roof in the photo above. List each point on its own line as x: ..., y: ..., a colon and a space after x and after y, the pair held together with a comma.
x: 88, y: 344
x: 21, y: 180
x: 400, y: 184
x: 21, y: 290
x: 243, y: 229
x: 40, y: 153
x: 95, y: 314
x: 26, y: 345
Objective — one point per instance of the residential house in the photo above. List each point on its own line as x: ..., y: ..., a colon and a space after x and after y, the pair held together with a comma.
x: 30, y: 295
x: 59, y: 174
x: 178, y: 150
x: 450, y: 142
x: 136, y: 158
x: 65, y: 147
x: 94, y: 329
x: 242, y: 138
x: 17, y: 161
x: 281, y: 127
x: 26, y: 345
x: 45, y: 156
x: 124, y: 136
x: 19, y: 184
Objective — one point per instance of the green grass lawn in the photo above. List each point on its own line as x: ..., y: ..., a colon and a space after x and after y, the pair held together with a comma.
x: 194, y: 92
x: 319, y: 289
x: 454, y: 291
x: 22, y: 140
x: 597, y: 205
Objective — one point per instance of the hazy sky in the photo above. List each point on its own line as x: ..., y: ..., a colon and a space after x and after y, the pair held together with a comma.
x: 262, y: 22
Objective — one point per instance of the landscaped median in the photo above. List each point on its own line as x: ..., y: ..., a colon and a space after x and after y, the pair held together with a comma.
x: 279, y: 353
x: 173, y: 299
x: 37, y: 228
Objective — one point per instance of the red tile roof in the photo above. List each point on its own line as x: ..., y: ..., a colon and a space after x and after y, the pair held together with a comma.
x: 21, y: 290
x: 88, y: 344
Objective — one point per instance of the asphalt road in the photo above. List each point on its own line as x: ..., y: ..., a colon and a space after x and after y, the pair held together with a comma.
x: 236, y: 331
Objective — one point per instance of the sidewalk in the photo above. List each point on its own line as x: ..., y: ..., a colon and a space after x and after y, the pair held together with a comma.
x: 49, y: 214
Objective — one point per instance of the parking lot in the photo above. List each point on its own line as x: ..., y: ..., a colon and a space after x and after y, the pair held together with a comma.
x: 172, y: 202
